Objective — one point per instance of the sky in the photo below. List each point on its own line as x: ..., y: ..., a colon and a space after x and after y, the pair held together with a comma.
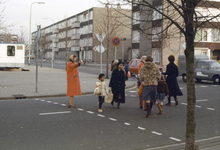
x: 17, y: 12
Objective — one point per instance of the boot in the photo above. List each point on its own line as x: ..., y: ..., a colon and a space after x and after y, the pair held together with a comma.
x: 176, y: 103
x: 148, y: 110
x: 118, y: 105
x: 159, y: 107
x: 151, y: 105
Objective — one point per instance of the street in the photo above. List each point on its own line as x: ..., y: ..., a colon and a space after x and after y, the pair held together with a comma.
x: 47, y: 123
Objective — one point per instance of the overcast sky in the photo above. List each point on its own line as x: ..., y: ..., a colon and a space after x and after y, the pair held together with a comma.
x: 18, y: 11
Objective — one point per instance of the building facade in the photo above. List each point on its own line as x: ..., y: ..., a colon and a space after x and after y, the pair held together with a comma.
x: 77, y: 35
x: 8, y: 38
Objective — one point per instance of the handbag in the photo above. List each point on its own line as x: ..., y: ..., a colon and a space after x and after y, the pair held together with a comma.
x: 129, y: 74
x: 140, y: 89
x: 109, y: 97
x: 97, y: 91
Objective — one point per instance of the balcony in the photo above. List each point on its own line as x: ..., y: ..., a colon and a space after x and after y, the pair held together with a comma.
x: 53, y: 36
x: 56, y: 40
x: 75, y: 48
x: 75, y: 42
x: 56, y: 31
x: 75, y: 24
x: 56, y: 49
x: 75, y: 37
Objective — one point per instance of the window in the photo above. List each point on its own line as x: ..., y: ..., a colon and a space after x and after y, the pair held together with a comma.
x: 201, y: 35
x: 156, y: 14
x: 204, y: 35
x: 133, y: 63
x: 10, y: 50
x: 138, y: 63
x: 135, y: 36
x: 156, y: 54
x: 136, y: 18
x: 201, y: 65
x: 215, y: 35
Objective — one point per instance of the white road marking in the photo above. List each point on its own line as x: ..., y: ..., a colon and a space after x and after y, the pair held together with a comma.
x: 112, y: 119
x: 55, y: 102
x: 184, y: 103
x: 90, y: 112
x: 80, y: 109
x: 172, y: 101
x: 210, y: 108
x: 128, y: 124
x: 175, y: 139
x: 198, y: 106
x: 203, y: 86
x: 42, y: 100
x: 49, y: 101
x: 141, y: 128
x: 181, y: 88
x: 203, y: 100
x: 36, y: 99
x: 215, y: 85
x: 133, y: 91
x: 100, y: 115
x: 126, y: 95
x: 133, y: 95
x: 52, y: 113
x: 63, y: 104
x: 157, y: 133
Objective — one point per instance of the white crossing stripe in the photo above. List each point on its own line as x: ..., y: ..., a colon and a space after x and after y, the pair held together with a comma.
x: 90, y: 112
x: 133, y: 95
x: 181, y: 88
x: 172, y: 101
x: 198, y: 106
x: 133, y: 91
x: 157, y: 133
x: 126, y: 95
x: 49, y: 101
x: 80, y: 109
x: 175, y: 139
x: 128, y: 124
x: 210, y: 108
x: 52, y: 113
x: 100, y: 115
x: 202, y: 100
x: 141, y: 128
x: 36, y: 99
x: 203, y: 86
x: 42, y: 100
x: 55, y: 102
x: 63, y: 104
x: 184, y: 103
x: 215, y: 85
x: 112, y: 119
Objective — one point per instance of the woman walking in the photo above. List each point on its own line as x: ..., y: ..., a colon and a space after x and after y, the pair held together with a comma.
x: 172, y: 73
x: 149, y: 76
x: 117, y: 84
x: 73, y: 83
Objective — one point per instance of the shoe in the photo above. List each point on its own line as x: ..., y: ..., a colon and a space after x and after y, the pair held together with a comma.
x: 148, y: 110
x: 112, y: 103
x: 71, y: 106
x: 100, y: 110
x: 168, y: 104
x: 176, y: 103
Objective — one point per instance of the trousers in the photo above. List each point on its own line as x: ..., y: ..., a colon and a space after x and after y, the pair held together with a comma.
x: 101, y: 101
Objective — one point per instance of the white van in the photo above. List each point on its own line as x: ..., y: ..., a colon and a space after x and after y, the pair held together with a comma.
x: 12, y: 55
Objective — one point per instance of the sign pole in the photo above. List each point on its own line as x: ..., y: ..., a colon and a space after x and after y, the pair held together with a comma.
x: 100, y: 53
x: 115, y: 52
x: 38, y: 39
x: 123, y: 51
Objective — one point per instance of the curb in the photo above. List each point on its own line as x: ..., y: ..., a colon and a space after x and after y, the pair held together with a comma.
x: 57, y: 95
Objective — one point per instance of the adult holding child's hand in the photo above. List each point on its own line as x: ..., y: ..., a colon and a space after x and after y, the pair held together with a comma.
x: 73, y: 82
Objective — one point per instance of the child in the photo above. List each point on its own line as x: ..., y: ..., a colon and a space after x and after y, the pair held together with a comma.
x: 103, y: 90
x: 162, y: 91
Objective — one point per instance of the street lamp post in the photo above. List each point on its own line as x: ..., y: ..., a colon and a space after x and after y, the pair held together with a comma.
x: 53, y: 41
x: 123, y: 39
x: 30, y: 31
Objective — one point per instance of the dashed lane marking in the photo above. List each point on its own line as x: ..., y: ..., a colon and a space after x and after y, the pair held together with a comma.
x: 49, y: 101
x: 90, y: 112
x: 133, y: 96
x: 141, y: 128
x: 80, y: 109
x: 42, y: 100
x: 181, y: 88
x: 210, y: 108
x: 215, y: 85
x: 126, y: 95
x: 36, y: 99
x: 133, y: 91
x: 100, y: 115
x: 175, y: 139
x: 55, y: 102
x: 202, y: 100
x: 63, y: 104
x: 53, y: 113
x: 112, y: 119
x: 203, y: 86
x: 157, y: 133
x: 127, y: 124
x: 184, y: 103
x: 198, y: 106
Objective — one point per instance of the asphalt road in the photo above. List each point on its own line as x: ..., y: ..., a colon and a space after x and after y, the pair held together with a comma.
x: 48, y: 124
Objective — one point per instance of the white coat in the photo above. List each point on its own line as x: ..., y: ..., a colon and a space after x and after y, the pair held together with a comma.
x: 103, y: 88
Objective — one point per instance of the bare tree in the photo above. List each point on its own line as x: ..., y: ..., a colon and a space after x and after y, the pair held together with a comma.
x: 23, y: 36
x: 180, y: 16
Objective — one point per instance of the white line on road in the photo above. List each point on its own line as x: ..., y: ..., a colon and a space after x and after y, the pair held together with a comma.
x: 112, y: 119
x: 184, y: 103
x: 172, y: 101
x: 63, y: 104
x: 175, y: 139
x: 42, y: 100
x: 100, y: 115
x: 141, y: 128
x: 80, y: 109
x: 210, y: 108
x: 90, y: 112
x: 215, y: 85
x: 198, y: 106
x: 36, y: 99
x: 128, y: 124
x: 181, y: 88
x: 203, y: 86
x: 202, y: 100
x: 157, y: 133
x: 133, y: 95
x: 49, y: 101
x: 133, y: 91
x: 55, y: 102
x: 52, y: 113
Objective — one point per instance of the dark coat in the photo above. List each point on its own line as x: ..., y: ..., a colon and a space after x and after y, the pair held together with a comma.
x: 162, y: 87
x: 117, y: 83
x: 172, y: 73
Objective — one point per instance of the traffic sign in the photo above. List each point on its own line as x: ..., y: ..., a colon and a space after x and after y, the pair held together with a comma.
x: 116, y: 41
x: 102, y: 49
x: 95, y: 48
x: 212, y: 47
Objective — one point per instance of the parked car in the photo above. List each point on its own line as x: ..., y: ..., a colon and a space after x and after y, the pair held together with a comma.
x: 205, y: 69
x: 134, y: 65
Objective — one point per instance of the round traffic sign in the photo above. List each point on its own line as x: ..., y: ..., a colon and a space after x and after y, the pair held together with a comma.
x: 212, y: 47
x: 116, y: 41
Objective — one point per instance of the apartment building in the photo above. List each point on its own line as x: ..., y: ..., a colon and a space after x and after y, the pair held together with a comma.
x: 8, y: 38
x: 78, y: 34
x: 160, y: 46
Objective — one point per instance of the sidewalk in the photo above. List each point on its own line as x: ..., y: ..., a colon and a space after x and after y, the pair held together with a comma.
x: 51, y: 83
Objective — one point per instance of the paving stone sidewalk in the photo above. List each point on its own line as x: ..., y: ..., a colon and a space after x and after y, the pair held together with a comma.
x: 51, y: 83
